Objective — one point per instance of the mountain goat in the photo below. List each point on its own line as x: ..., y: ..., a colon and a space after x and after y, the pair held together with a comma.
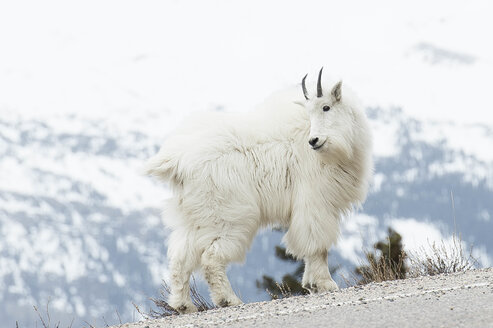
x: 283, y: 165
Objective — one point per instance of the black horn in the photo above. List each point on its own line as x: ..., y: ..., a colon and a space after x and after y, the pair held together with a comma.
x: 319, y: 84
x: 305, y: 93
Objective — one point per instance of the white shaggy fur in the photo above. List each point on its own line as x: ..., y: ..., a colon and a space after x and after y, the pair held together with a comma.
x: 235, y: 173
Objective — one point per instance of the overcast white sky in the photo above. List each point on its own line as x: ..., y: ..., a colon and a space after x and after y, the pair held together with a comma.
x: 434, y: 59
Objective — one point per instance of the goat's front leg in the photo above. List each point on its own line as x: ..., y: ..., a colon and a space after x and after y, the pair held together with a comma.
x: 316, y: 277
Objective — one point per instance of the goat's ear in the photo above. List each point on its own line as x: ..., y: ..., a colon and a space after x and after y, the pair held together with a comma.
x: 302, y: 104
x: 336, y: 91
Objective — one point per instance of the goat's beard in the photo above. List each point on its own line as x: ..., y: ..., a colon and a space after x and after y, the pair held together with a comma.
x: 335, y: 153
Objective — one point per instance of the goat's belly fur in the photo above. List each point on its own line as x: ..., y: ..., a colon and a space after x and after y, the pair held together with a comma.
x: 232, y: 198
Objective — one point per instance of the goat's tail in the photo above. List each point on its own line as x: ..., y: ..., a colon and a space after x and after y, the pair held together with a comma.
x: 163, y: 167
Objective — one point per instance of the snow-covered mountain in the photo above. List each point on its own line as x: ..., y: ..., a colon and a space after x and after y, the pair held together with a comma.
x: 76, y: 226
x: 80, y: 225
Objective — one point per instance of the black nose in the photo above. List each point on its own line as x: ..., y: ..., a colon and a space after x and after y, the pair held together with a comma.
x: 313, y: 141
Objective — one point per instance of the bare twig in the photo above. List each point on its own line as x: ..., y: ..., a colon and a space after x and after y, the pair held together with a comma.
x: 144, y: 315
x: 40, y: 317
x: 90, y: 326
x: 119, y: 318
x: 105, y: 322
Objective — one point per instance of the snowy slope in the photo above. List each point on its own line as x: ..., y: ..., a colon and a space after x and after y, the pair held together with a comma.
x: 77, y: 225
x: 80, y: 225
x: 88, y: 91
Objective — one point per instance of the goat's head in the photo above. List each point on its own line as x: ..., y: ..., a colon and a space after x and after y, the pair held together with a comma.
x: 331, y: 121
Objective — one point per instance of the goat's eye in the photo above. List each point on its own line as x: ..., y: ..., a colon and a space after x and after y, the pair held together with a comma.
x: 326, y: 108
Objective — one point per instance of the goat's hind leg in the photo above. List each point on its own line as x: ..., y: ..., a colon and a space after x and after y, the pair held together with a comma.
x: 182, y: 263
x: 214, y: 261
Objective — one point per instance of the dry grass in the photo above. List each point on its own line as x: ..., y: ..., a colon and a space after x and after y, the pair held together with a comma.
x: 436, y: 258
x: 441, y: 258
x: 46, y: 322
x: 163, y: 309
x: 386, y: 261
x: 283, y: 291
x: 382, y: 269
x: 46, y: 318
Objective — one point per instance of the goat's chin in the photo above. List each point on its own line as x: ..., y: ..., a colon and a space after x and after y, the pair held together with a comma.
x: 332, y: 154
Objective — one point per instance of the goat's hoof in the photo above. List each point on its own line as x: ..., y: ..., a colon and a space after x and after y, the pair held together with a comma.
x: 321, y: 287
x: 327, y: 286
x: 186, y: 308
x: 224, y: 303
x: 229, y: 302
x: 312, y: 288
